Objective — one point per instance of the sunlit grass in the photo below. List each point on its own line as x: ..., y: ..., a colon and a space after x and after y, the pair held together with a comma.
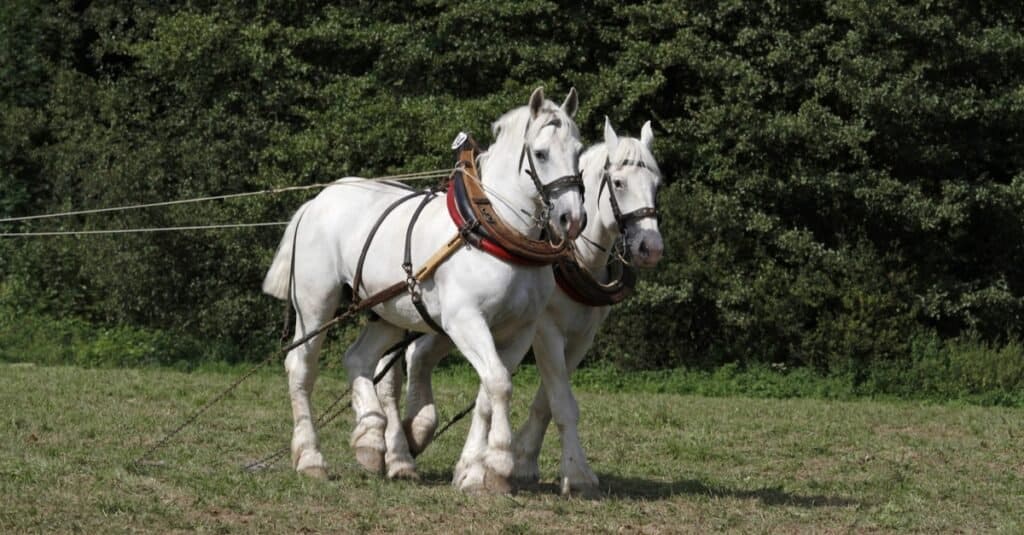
x: 667, y: 462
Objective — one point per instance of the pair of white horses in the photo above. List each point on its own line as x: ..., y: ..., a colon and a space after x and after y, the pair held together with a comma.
x: 490, y: 309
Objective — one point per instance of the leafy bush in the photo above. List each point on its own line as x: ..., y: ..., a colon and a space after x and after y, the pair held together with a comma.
x: 843, y: 179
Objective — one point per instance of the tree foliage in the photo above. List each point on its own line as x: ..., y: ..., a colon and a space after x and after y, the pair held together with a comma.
x: 842, y: 178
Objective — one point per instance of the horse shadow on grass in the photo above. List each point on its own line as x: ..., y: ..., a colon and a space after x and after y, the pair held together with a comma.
x: 644, y: 489
x: 622, y: 488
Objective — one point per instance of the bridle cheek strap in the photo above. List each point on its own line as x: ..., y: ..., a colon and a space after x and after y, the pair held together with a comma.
x: 624, y: 219
x: 548, y: 190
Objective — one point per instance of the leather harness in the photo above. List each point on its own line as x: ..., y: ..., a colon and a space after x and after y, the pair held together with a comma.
x: 479, y: 226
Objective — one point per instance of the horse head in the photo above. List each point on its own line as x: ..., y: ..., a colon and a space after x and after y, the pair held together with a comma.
x: 542, y: 144
x: 627, y: 190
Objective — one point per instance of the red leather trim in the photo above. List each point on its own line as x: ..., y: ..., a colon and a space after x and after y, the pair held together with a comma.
x: 487, y: 245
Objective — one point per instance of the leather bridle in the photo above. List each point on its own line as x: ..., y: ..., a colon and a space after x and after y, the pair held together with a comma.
x: 547, y: 191
x: 623, y: 220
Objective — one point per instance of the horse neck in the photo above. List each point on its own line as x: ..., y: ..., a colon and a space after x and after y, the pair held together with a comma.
x: 504, y: 181
x: 595, y: 258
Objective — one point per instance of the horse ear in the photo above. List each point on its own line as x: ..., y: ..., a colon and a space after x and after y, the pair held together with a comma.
x: 647, y: 135
x: 536, y: 101
x: 611, y: 141
x: 572, y: 103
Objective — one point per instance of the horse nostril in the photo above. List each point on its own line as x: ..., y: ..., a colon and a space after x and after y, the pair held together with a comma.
x: 644, y: 251
x: 564, y: 220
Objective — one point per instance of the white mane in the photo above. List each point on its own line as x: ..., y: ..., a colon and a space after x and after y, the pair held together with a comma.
x: 629, y: 149
x: 514, y: 123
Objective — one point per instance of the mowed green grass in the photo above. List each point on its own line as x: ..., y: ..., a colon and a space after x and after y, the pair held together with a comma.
x: 667, y: 463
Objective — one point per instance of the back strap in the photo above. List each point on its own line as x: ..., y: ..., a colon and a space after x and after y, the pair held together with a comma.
x: 357, y: 280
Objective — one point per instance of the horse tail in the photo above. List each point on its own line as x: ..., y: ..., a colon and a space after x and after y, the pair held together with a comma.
x: 278, y: 279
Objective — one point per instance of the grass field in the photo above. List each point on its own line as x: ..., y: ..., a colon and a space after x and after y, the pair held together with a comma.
x: 667, y: 463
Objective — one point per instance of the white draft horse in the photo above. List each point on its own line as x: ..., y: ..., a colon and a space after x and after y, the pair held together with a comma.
x: 565, y: 330
x: 486, y: 306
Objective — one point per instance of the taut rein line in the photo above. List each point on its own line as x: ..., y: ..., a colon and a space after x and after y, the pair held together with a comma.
x: 577, y: 282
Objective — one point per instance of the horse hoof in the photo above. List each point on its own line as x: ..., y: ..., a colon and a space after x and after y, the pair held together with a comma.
x: 404, y: 474
x: 585, y: 491
x: 314, y: 472
x: 496, y: 484
x: 491, y: 484
x: 526, y: 472
x: 371, y: 459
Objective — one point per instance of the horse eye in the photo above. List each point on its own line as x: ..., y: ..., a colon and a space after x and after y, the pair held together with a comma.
x: 541, y: 155
x: 617, y: 183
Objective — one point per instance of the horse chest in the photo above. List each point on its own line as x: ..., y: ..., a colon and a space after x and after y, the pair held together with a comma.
x: 572, y: 318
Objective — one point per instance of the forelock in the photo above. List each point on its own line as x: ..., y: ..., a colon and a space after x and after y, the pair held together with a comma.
x: 633, y: 149
x: 519, y: 119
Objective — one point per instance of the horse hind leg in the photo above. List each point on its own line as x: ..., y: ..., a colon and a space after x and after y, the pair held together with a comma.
x: 302, y: 366
x: 368, y: 434
x: 420, y: 420
x: 398, y: 459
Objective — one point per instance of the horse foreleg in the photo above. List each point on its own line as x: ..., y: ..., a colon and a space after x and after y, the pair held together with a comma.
x: 471, y: 467
x: 530, y: 437
x: 370, y: 422
x: 473, y: 337
x: 420, y: 420
x: 549, y: 347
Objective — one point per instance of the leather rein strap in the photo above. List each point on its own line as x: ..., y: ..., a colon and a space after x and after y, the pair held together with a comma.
x: 412, y: 282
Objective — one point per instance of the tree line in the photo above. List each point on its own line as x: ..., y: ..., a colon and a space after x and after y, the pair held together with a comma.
x: 843, y: 185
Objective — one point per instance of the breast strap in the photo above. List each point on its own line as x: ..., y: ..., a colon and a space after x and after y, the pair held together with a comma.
x: 581, y: 286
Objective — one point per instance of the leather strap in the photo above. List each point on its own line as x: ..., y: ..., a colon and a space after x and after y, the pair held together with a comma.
x: 581, y: 286
x: 357, y: 280
x: 412, y: 282
x: 473, y: 213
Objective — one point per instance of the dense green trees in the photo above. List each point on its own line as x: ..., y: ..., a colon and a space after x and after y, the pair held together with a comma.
x: 843, y: 178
